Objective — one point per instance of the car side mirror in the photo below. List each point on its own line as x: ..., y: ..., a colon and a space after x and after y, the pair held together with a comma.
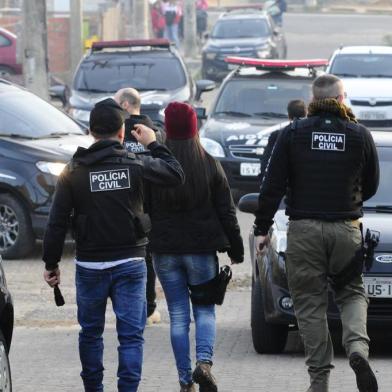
x: 249, y: 203
x: 59, y: 92
x: 203, y: 86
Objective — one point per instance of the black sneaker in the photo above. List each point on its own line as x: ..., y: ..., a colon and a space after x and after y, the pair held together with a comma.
x: 366, y: 380
x: 203, y: 376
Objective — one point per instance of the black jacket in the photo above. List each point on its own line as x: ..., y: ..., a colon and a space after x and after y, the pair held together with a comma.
x: 327, y: 180
x: 209, y: 227
x: 268, y: 152
x: 103, y: 189
x: 130, y: 143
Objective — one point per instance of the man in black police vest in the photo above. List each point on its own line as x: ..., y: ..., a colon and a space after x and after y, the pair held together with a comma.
x: 129, y: 99
x: 103, y: 189
x: 330, y: 165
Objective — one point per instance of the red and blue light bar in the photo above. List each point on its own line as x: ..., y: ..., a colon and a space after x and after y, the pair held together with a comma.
x: 159, y: 42
x: 276, y: 64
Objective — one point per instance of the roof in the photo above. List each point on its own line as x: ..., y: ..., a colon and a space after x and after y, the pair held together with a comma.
x: 365, y: 50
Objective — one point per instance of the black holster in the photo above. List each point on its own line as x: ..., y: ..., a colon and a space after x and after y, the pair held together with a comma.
x: 213, y: 291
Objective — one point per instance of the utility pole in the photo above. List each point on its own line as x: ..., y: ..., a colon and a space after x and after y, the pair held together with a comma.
x: 140, y: 19
x: 76, y: 31
x: 35, y: 47
x: 190, y: 28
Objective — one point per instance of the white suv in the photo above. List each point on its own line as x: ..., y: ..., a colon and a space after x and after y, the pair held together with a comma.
x: 367, y: 75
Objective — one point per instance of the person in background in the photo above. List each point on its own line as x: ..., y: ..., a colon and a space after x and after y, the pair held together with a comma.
x: 201, y: 17
x: 173, y: 14
x: 129, y: 100
x: 157, y: 19
x: 296, y: 109
x: 189, y: 226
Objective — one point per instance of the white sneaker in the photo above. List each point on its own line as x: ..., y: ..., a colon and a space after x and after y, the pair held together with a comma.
x: 155, y: 318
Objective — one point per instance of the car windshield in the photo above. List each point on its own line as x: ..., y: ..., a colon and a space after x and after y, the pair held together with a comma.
x: 363, y: 65
x: 241, y: 28
x: 261, y: 97
x: 143, y: 74
x: 383, y: 195
x: 23, y: 114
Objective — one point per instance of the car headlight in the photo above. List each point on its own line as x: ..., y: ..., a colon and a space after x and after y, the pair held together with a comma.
x: 53, y: 168
x: 212, y: 147
x: 81, y: 115
x: 210, y: 55
x: 263, y: 53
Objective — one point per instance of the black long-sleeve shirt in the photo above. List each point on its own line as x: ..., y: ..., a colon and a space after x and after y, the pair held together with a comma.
x: 282, y: 171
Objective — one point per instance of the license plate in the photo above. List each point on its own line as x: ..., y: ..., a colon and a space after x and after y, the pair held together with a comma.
x: 379, y: 287
x: 373, y: 115
x: 250, y: 169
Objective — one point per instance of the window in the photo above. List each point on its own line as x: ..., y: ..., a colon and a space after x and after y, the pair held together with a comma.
x: 4, y: 41
x: 241, y: 28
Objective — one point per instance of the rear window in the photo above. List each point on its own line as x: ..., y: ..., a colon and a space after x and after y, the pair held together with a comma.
x: 24, y: 114
x: 363, y: 65
x: 241, y: 28
x: 261, y: 97
x: 108, y: 76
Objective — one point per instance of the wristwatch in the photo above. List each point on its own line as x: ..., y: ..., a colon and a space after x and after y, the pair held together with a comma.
x: 256, y: 231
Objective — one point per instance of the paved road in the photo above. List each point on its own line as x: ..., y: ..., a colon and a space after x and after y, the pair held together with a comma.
x: 44, y: 352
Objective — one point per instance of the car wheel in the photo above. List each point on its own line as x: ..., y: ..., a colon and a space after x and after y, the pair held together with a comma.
x: 5, y: 370
x: 16, y: 233
x: 6, y: 72
x: 267, y: 338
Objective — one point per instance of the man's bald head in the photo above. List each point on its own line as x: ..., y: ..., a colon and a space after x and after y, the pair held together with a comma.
x: 328, y: 86
x: 129, y: 100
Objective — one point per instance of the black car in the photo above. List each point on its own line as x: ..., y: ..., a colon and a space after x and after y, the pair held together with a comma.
x: 272, y: 313
x: 241, y: 32
x: 36, y: 141
x: 6, y: 330
x: 251, y: 103
x: 153, y: 67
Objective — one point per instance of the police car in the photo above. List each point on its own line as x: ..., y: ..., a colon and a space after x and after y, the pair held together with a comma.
x: 272, y: 312
x: 245, y: 32
x: 367, y: 75
x: 153, y: 67
x: 252, y: 103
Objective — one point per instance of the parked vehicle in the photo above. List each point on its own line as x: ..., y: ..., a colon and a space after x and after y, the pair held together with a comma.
x: 251, y: 103
x: 366, y: 72
x: 272, y: 312
x: 36, y: 141
x: 6, y: 330
x: 241, y: 32
x: 154, y: 67
x: 8, y: 63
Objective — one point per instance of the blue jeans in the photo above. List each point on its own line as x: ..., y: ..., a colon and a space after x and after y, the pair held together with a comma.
x: 175, y: 273
x: 125, y: 285
x: 171, y: 33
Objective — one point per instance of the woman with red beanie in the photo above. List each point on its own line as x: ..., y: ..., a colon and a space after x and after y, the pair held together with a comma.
x: 190, y: 224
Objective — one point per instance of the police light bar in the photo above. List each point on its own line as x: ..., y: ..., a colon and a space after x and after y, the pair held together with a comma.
x: 245, y: 7
x: 160, y: 42
x: 276, y: 64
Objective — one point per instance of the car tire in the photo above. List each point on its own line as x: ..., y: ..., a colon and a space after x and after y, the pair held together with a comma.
x: 16, y: 233
x: 267, y: 338
x: 5, y: 369
x: 6, y: 72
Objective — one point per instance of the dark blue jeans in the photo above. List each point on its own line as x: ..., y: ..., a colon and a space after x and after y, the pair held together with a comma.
x: 125, y: 285
x: 175, y: 273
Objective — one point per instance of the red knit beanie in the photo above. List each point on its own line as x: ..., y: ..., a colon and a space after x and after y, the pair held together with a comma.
x: 180, y: 121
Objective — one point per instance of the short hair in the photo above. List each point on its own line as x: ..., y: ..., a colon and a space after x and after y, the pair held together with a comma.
x: 131, y: 96
x: 296, y: 109
x: 326, y: 86
x: 106, y: 118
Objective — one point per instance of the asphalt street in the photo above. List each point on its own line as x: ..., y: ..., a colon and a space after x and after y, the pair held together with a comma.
x: 44, y: 353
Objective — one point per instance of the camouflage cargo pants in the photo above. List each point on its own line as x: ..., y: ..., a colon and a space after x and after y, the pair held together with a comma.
x: 316, y: 249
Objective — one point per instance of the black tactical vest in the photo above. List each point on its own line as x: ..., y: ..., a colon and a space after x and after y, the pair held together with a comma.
x: 327, y: 157
x: 108, y: 213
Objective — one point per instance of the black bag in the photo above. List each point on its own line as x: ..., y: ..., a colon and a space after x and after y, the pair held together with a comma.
x: 213, y: 291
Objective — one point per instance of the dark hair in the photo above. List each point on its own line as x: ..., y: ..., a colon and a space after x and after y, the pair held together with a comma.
x: 199, y: 168
x: 106, y: 118
x: 296, y: 109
